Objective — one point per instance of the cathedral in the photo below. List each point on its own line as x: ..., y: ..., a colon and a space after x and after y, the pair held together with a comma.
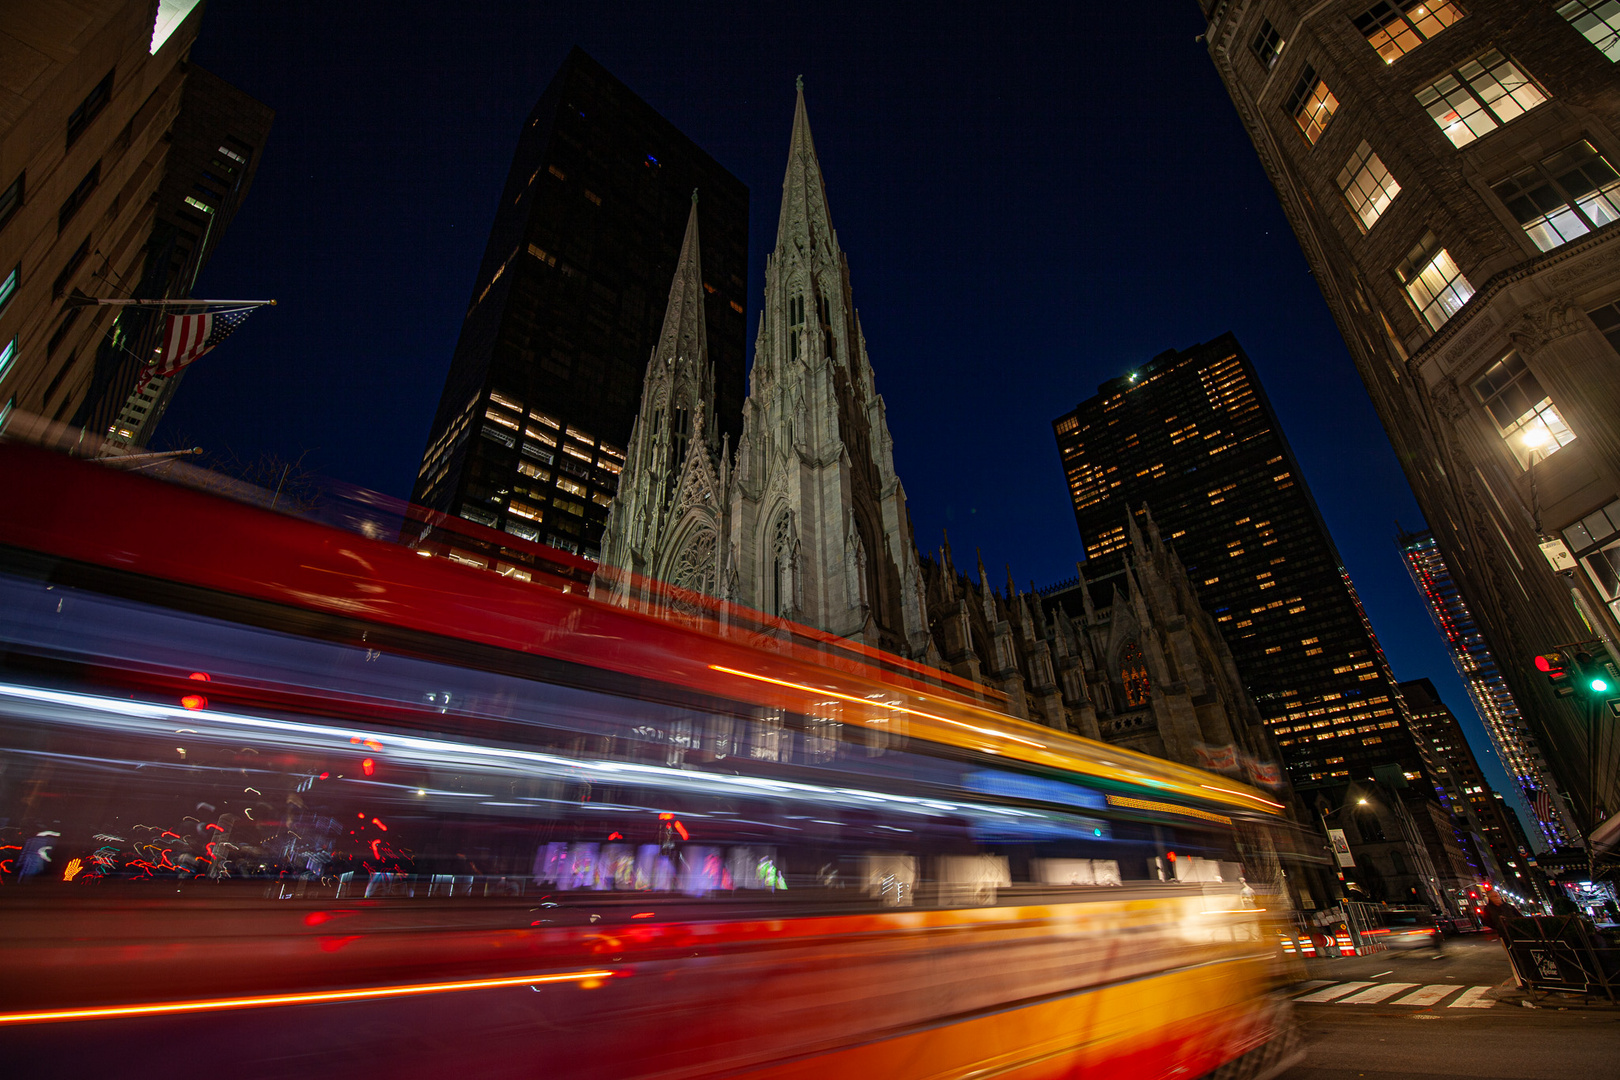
x: 805, y: 521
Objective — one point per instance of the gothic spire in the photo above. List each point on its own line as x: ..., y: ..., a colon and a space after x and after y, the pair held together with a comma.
x: 804, y: 223
x: 683, y: 339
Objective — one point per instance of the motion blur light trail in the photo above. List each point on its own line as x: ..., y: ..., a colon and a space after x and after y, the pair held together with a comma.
x: 584, y: 978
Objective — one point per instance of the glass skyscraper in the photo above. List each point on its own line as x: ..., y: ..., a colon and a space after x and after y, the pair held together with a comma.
x: 544, y: 384
x: 1191, y: 437
x: 1498, y: 711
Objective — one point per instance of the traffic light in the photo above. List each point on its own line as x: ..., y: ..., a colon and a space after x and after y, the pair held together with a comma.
x: 1555, y: 666
x: 1592, y: 676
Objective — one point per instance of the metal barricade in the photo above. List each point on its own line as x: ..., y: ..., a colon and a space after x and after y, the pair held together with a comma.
x: 1561, y: 952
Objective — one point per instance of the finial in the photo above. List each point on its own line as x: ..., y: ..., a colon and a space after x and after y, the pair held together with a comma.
x: 694, y: 196
x: 798, y: 83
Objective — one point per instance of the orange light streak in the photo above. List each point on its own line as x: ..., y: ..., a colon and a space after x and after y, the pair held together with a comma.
x: 1242, y: 795
x: 880, y: 704
x: 314, y: 998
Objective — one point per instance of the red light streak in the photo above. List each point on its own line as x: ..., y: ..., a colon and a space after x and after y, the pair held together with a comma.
x: 194, y: 702
x: 368, y: 766
x: 642, y: 915
x: 615, y: 836
x: 216, y: 1004
x: 200, y: 676
x: 682, y: 830
x: 379, y: 824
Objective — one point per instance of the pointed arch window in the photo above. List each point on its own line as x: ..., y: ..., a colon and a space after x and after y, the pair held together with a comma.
x: 795, y: 324
x: 680, y: 431
x: 779, y: 589
x: 1133, y: 675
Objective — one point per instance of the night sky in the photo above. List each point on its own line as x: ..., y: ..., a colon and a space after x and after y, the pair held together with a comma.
x: 1031, y: 202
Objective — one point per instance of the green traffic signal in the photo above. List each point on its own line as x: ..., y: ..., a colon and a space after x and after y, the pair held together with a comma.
x: 1600, y: 686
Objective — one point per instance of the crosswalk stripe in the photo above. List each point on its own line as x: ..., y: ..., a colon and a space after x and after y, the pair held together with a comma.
x: 1471, y: 998
x: 1333, y: 992
x: 1377, y: 994
x: 1428, y: 995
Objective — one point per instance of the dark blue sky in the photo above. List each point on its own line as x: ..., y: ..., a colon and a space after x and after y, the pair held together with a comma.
x: 1031, y: 201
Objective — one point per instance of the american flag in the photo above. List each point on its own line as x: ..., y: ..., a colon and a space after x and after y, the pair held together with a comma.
x: 1543, y: 802
x: 186, y: 337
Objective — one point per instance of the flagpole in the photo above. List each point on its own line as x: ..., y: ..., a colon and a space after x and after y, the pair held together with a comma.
x: 78, y: 299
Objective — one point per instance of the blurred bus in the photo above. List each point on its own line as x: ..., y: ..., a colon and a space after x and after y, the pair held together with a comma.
x: 294, y: 800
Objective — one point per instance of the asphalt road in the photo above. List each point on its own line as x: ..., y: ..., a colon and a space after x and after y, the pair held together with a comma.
x: 1385, y: 1040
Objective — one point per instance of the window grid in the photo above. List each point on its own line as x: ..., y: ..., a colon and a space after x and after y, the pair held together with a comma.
x: 8, y: 286
x: 1607, y: 320
x: 1367, y: 185
x: 11, y: 199
x: 1525, y: 416
x: 1434, y: 282
x: 1598, y: 21
x: 1395, y: 30
x: 1268, y: 44
x: 1479, y: 97
x: 1565, y: 196
x: 1312, y: 104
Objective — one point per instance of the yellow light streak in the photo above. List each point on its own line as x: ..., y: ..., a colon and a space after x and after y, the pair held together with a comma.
x: 1167, y: 808
x: 52, y: 1016
x: 988, y: 732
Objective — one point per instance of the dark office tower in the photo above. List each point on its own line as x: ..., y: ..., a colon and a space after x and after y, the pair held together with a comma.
x: 1473, y: 800
x: 214, y: 149
x: 1515, y: 744
x: 567, y: 306
x: 1191, y: 436
x: 1452, y: 170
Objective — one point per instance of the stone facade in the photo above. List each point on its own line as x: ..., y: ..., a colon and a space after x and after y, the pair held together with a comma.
x: 1522, y: 297
x: 1130, y: 659
x: 805, y: 520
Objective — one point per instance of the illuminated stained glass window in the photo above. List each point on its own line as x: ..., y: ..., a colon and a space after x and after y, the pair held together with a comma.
x: 1133, y: 675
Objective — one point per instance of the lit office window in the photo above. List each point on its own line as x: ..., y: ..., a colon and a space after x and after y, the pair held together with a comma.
x: 1479, y: 97
x: 8, y: 356
x: 1524, y: 414
x: 1268, y: 44
x: 1367, y: 185
x: 1598, y: 21
x: 1432, y: 279
x: 1311, y: 104
x: 1563, y: 196
x: 1395, y: 29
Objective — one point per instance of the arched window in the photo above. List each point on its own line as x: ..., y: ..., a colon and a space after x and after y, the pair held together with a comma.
x: 1133, y: 675
x: 680, y: 430
x: 779, y: 589
x: 795, y: 325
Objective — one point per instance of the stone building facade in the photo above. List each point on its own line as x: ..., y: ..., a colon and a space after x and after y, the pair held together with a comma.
x: 1130, y: 659
x: 1450, y: 170
x: 805, y: 520
x: 91, y: 92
